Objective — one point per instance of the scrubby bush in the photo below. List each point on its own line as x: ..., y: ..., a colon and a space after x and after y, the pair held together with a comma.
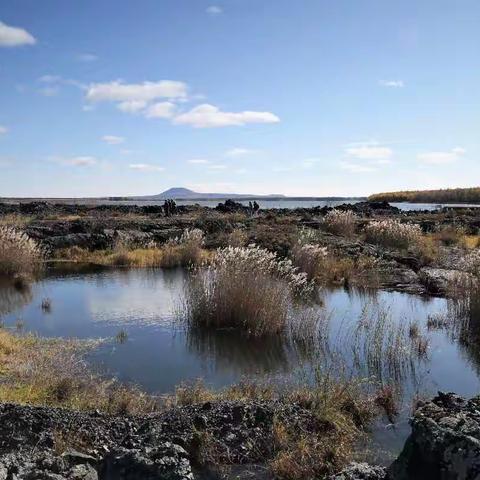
x: 392, y: 233
x: 471, y: 263
x: 449, y: 235
x: 246, y: 288
x: 340, y: 222
x: 190, y: 246
x: 19, y: 254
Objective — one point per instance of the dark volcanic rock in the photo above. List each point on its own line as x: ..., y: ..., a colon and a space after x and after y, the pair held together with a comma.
x: 231, y: 206
x: 166, y: 461
x: 444, y: 443
x: 361, y: 471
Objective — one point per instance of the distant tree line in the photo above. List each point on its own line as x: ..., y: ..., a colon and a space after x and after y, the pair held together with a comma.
x: 449, y: 195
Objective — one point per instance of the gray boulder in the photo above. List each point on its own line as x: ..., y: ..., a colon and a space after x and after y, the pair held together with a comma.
x: 444, y: 443
x: 360, y: 471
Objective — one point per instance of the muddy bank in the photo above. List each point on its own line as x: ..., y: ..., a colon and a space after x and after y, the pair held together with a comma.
x: 187, y: 443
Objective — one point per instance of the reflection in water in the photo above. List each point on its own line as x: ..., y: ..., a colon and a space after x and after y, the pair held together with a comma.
x: 228, y: 349
x: 11, y: 298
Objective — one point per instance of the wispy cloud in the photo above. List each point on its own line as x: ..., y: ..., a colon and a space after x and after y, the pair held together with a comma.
x: 369, y: 151
x: 3, y: 130
x: 210, y: 116
x: 217, y: 166
x: 50, y: 78
x: 113, y: 139
x: 146, y: 167
x: 310, y: 162
x: 442, y: 158
x: 15, y: 36
x: 51, y: 91
x: 214, y: 10
x: 77, y: 161
x: 198, y: 161
x: 239, y: 152
x: 392, y: 83
x: 87, y: 57
x: 356, y: 168
x: 118, y: 91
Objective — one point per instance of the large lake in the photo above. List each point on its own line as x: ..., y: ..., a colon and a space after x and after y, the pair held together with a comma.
x: 159, y: 352
x: 264, y: 203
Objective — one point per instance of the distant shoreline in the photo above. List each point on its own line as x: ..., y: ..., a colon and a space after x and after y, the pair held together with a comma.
x: 199, y: 199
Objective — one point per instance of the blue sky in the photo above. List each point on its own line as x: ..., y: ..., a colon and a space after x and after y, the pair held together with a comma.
x: 314, y: 97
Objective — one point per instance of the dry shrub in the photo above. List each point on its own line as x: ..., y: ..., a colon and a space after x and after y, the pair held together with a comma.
x: 19, y: 254
x: 449, y: 235
x: 392, y: 233
x: 325, y: 267
x: 337, y: 411
x: 246, y: 288
x: 342, y: 411
x: 386, y: 398
x: 340, y: 222
x: 237, y: 238
x: 309, y: 258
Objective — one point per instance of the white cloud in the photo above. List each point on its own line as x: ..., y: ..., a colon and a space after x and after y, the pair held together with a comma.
x: 14, y: 36
x: 282, y: 169
x: 50, y: 79
x: 82, y: 161
x: 214, y: 10
x: 161, y: 110
x: 209, y: 116
x: 310, y: 162
x: 145, y: 167
x: 3, y: 130
x: 198, y: 161
x: 441, y: 158
x: 113, y: 139
x: 355, y: 168
x: 132, y: 106
x: 371, y: 151
x: 87, y: 57
x: 217, y: 167
x: 147, y: 91
x: 392, y: 83
x: 49, y: 91
x: 238, y: 152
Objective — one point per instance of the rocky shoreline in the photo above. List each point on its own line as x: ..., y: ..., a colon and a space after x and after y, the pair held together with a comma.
x: 57, y: 444
x: 101, y: 227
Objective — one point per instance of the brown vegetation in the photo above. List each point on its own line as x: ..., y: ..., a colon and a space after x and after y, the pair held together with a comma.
x: 19, y: 254
x: 450, y: 195
x: 246, y: 288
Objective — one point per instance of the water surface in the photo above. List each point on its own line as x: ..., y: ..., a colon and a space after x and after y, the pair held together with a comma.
x: 160, y: 353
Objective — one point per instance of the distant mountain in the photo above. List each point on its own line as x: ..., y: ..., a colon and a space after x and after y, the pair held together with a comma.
x: 180, y: 193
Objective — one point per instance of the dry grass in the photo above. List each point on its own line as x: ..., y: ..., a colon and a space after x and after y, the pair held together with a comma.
x: 253, y: 302
x: 52, y: 372
x: 327, y: 268
x: 19, y: 254
x: 249, y: 289
x: 340, y: 222
x: 449, y: 235
x: 341, y: 410
x: 167, y: 256
x: 392, y: 233
x: 15, y: 220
